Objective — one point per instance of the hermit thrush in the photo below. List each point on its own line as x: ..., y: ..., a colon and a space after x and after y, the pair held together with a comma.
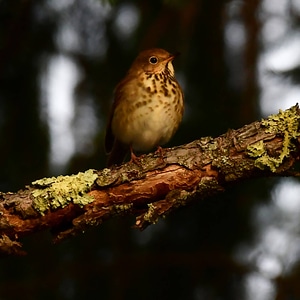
x: 147, y: 108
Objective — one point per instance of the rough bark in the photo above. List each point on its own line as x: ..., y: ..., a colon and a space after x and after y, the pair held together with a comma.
x: 160, y: 183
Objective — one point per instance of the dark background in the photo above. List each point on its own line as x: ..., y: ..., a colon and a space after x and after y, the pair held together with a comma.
x: 243, y: 244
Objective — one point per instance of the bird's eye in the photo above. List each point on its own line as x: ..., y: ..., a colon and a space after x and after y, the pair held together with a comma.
x: 153, y: 60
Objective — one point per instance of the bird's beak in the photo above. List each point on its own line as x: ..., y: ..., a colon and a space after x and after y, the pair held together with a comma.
x: 171, y: 57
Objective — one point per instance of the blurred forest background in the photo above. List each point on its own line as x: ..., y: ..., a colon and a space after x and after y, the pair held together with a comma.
x: 59, y: 63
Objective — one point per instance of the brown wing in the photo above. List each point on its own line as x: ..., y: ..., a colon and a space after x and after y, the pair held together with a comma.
x: 113, y: 147
x: 109, y: 136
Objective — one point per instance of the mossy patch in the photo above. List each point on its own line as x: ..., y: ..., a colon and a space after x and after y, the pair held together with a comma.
x: 286, y: 124
x: 55, y: 192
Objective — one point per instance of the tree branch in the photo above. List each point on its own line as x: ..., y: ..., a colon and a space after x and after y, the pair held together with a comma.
x: 161, y: 183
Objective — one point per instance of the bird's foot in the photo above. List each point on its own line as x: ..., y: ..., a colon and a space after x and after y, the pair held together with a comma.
x: 160, y: 152
x: 134, y: 159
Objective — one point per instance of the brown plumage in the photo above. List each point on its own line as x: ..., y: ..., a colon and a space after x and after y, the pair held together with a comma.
x: 147, y: 107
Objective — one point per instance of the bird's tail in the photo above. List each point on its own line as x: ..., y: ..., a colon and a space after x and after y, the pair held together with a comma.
x: 117, y: 154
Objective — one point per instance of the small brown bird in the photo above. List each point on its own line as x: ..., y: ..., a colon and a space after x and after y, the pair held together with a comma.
x: 147, y: 108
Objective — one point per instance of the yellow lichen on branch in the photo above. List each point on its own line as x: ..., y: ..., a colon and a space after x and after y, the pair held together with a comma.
x: 285, y: 123
x: 55, y: 192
